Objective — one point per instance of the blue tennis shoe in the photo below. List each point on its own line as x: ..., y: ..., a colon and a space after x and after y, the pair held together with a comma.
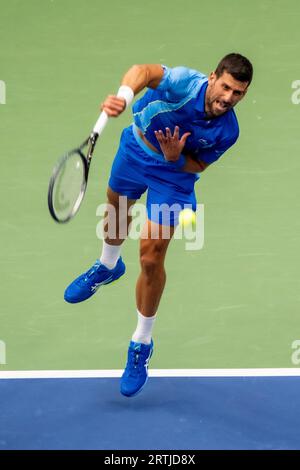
x: 89, y: 282
x: 135, y: 374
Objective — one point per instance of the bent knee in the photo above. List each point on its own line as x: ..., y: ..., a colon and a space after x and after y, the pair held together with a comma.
x: 152, y: 255
x: 150, y: 265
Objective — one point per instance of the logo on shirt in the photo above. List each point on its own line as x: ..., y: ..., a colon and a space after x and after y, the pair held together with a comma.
x: 204, y: 143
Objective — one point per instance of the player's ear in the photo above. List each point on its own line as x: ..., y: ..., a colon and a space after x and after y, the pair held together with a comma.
x: 245, y: 91
x: 212, y: 77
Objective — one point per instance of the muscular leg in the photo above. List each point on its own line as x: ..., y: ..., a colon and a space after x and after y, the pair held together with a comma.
x: 116, y: 234
x: 116, y: 227
x: 152, y: 279
x: 149, y: 288
x: 111, y: 266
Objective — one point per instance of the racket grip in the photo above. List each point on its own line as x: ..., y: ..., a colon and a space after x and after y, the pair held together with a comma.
x: 101, y: 123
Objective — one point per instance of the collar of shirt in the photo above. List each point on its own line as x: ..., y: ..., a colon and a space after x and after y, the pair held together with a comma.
x: 200, y: 102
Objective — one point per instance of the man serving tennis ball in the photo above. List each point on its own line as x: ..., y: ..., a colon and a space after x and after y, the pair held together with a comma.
x: 184, y: 122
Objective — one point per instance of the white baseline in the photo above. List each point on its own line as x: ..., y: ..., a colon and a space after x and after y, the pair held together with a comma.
x: 74, y: 374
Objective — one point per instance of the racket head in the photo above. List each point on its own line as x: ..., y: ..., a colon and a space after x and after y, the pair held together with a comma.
x: 67, y: 185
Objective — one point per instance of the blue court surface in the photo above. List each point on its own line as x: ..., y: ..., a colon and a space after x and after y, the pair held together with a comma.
x: 171, y: 414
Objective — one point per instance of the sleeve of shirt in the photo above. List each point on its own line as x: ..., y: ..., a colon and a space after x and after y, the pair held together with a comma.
x: 211, y: 155
x: 178, y: 82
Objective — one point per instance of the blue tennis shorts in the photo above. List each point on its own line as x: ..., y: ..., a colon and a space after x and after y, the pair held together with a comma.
x: 136, y: 169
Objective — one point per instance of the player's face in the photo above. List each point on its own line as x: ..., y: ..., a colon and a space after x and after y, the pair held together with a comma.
x: 223, y: 93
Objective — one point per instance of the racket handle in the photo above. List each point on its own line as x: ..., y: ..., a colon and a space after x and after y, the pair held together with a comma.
x: 101, y: 123
x: 124, y: 92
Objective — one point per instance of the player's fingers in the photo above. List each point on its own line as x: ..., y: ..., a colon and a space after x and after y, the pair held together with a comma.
x: 120, y: 102
x: 168, y: 133
x: 116, y: 99
x: 114, y: 102
x: 176, y: 132
x: 162, y: 136
x: 110, y: 112
x: 158, y: 136
x: 184, y: 137
x: 114, y: 106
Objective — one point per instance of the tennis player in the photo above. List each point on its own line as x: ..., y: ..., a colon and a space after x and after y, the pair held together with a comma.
x: 182, y: 124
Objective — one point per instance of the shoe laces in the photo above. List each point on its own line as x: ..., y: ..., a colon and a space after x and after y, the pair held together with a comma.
x: 94, y: 268
x: 135, y: 361
x: 89, y: 273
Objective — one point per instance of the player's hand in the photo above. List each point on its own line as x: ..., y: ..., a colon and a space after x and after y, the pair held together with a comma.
x: 113, y: 105
x: 171, y: 146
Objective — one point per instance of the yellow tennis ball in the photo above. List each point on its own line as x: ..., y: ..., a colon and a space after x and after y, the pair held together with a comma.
x: 187, y: 217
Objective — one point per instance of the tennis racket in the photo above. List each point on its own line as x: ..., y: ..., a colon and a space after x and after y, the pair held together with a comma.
x: 69, y: 178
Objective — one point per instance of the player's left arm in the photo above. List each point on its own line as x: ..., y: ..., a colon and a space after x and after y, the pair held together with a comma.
x: 172, y: 146
x: 173, y: 149
x: 193, y: 164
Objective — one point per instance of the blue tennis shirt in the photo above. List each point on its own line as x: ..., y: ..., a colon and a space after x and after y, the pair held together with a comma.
x: 179, y: 100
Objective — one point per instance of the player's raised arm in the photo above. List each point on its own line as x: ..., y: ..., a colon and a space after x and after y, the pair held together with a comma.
x: 139, y: 77
x: 135, y: 79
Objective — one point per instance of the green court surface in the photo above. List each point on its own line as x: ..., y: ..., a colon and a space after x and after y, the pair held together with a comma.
x: 233, y: 304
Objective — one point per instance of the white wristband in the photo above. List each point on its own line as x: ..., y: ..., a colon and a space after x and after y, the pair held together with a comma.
x: 127, y: 93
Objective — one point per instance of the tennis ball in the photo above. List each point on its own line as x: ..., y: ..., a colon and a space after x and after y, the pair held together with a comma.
x: 187, y: 217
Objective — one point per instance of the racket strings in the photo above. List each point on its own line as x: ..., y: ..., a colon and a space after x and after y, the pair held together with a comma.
x: 69, y: 185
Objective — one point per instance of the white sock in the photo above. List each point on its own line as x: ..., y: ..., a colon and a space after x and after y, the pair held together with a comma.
x: 110, y: 255
x: 143, y: 332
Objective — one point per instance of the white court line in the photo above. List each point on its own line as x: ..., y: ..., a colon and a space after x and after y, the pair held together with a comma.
x: 81, y: 374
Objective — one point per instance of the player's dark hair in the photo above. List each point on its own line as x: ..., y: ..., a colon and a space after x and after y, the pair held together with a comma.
x: 237, y: 65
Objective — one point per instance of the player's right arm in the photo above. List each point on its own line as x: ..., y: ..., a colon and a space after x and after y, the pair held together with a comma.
x: 137, y: 78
